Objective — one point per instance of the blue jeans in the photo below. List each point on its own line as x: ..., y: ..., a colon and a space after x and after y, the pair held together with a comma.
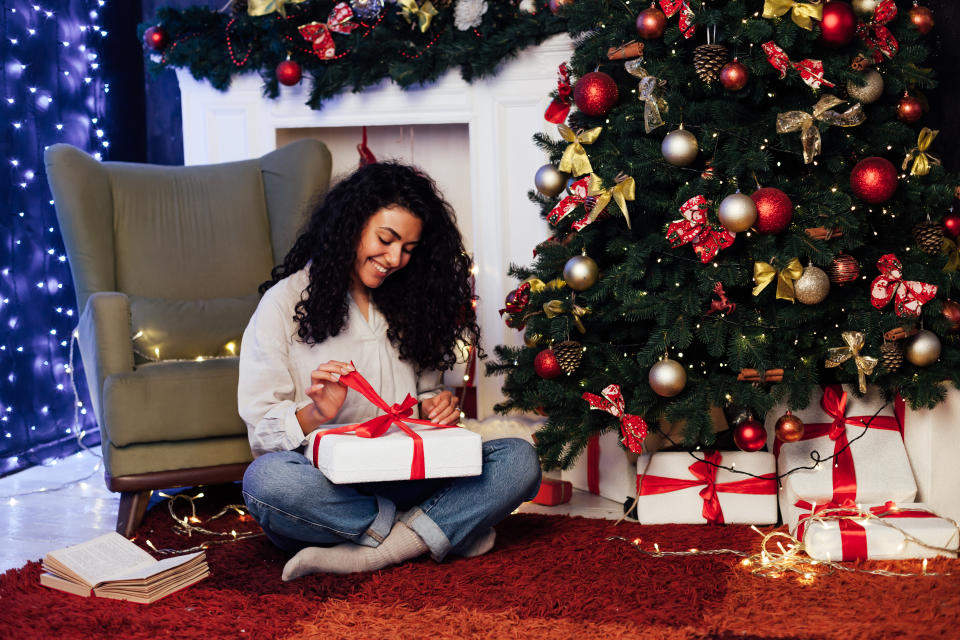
x: 297, y: 506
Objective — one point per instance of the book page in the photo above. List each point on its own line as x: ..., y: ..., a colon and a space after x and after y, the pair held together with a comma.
x: 103, y: 558
x: 141, y: 573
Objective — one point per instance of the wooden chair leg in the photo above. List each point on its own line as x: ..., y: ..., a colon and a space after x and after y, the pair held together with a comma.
x: 133, y: 504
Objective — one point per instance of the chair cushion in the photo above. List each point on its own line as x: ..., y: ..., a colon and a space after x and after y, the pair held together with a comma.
x: 173, y: 456
x: 189, y: 328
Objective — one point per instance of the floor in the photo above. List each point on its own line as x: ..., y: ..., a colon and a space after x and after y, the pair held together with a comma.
x: 48, y: 507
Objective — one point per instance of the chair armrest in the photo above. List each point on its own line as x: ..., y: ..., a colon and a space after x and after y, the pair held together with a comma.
x: 106, y: 347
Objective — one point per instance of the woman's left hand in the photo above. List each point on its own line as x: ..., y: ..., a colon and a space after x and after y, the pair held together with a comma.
x: 441, y: 408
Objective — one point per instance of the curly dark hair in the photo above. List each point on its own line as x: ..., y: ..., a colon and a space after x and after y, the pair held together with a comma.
x: 428, y: 304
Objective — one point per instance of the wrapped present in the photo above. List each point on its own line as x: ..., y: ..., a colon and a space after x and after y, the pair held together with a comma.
x: 867, y: 464
x: 392, y: 446
x: 889, y: 531
x: 553, y: 492
x: 606, y: 469
x: 675, y: 488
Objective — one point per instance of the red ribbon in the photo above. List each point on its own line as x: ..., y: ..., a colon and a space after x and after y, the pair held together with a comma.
x: 705, y: 472
x: 670, y: 7
x: 577, y: 197
x: 633, y: 428
x: 876, y: 35
x: 811, y: 71
x: 397, y: 414
x: 558, y: 109
x: 834, y: 403
x: 910, y: 294
x: 319, y: 33
x: 694, y: 228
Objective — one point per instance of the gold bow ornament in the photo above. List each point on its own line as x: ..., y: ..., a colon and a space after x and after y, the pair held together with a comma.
x: 622, y: 191
x: 764, y: 273
x: 422, y: 14
x: 263, y: 7
x: 921, y: 161
x: 555, y: 308
x: 575, y: 160
x: 952, y: 253
x: 650, y: 93
x: 806, y: 124
x: 836, y: 356
x: 803, y: 12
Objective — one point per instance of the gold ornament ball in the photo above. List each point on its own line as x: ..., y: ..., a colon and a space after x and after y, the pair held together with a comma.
x: 667, y: 378
x: 923, y: 348
x: 813, y: 286
x: 865, y: 7
x: 580, y: 273
x: 532, y: 339
x: 789, y: 427
x: 868, y: 92
x: 550, y: 181
x: 679, y: 147
x: 737, y: 212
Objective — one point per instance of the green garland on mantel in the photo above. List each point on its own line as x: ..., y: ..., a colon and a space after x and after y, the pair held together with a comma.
x: 217, y: 45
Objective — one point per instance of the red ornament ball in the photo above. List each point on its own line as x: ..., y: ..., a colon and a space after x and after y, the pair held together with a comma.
x: 556, y: 5
x: 155, y: 38
x: 546, y: 364
x: 909, y: 108
x: 595, y: 93
x: 951, y: 224
x: 874, y: 180
x: 922, y: 19
x: 951, y: 311
x: 844, y: 269
x: 750, y: 436
x: 734, y: 75
x: 651, y: 23
x: 838, y: 25
x: 774, y: 210
x: 288, y: 73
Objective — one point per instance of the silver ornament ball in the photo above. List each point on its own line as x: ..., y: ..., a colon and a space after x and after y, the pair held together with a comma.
x: 865, y: 7
x: 737, y: 212
x: 667, y: 378
x: 550, y: 181
x: 923, y: 348
x: 868, y: 92
x: 679, y: 147
x: 580, y: 273
x: 813, y: 286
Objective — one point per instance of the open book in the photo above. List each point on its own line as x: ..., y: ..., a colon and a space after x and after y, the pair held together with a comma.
x: 110, y: 566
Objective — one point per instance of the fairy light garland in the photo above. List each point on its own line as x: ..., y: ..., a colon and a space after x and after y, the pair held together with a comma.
x: 187, y: 525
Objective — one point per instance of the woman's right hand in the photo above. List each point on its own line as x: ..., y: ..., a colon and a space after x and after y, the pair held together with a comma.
x: 326, y: 391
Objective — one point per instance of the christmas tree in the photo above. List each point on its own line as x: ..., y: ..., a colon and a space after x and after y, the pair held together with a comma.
x: 746, y: 204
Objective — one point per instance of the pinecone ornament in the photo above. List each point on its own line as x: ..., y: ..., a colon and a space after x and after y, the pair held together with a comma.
x: 891, y: 356
x: 708, y: 59
x: 929, y: 237
x: 569, y: 353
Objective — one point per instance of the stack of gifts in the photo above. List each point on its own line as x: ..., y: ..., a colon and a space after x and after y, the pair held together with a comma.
x: 858, y: 502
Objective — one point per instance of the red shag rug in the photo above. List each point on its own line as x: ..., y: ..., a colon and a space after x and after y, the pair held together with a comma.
x: 547, y: 577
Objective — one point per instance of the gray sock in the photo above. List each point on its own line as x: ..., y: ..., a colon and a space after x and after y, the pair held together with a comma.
x: 481, y: 545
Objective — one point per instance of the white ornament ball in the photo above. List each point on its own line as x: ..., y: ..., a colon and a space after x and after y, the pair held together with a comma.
x: 923, y: 348
x: 868, y: 92
x: 667, y: 378
x: 813, y: 286
x: 679, y: 147
x: 580, y: 273
x: 737, y: 212
x: 865, y: 7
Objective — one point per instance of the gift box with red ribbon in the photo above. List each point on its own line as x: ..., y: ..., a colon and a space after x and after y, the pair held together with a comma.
x: 707, y: 487
x: 890, y: 531
x: 863, y: 440
x: 553, y: 492
x: 605, y: 468
x: 392, y: 446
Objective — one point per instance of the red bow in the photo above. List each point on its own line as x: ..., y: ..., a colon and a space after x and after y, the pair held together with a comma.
x: 633, y: 428
x: 670, y: 7
x: 876, y: 35
x: 558, y: 109
x: 319, y: 33
x: 911, y: 295
x: 706, y: 239
x: 811, y: 71
x: 577, y: 197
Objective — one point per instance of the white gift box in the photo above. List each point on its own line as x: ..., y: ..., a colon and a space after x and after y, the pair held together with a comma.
x: 346, y: 458
x: 615, y: 471
x: 686, y: 506
x: 823, y: 539
x: 880, y: 462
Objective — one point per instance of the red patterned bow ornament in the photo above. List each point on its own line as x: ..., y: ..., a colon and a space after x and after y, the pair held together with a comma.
x: 578, y: 196
x: 560, y: 107
x: 811, y: 71
x: 319, y: 33
x: 670, y: 7
x: 910, y: 294
x: 876, y: 35
x: 694, y: 228
x: 633, y: 428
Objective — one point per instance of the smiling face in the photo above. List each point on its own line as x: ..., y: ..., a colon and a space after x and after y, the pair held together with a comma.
x: 386, y: 243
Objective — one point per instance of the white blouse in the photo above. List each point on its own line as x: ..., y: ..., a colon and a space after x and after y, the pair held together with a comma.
x: 275, y: 366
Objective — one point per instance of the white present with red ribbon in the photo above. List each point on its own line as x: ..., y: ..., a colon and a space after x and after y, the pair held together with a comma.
x: 715, y: 488
x: 867, y: 464
x: 392, y: 446
x: 875, y: 532
x: 605, y: 469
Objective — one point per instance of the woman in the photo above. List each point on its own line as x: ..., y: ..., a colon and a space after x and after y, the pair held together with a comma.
x: 379, y: 278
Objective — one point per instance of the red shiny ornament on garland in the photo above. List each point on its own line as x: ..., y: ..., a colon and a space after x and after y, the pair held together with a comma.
x: 595, y: 93
x: 874, y: 180
x: 951, y: 311
x: 651, y: 23
x: 922, y: 19
x: 909, y: 109
x: 838, y: 25
x: 546, y: 364
x: 750, y: 435
x: 155, y: 38
x: 774, y: 210
x: 288, y: 73
x: 843, y: 269
x: 951, y: 224
x: 734, y: 75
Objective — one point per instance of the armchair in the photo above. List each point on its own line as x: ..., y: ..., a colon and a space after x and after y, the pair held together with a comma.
x: 166, y: 262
